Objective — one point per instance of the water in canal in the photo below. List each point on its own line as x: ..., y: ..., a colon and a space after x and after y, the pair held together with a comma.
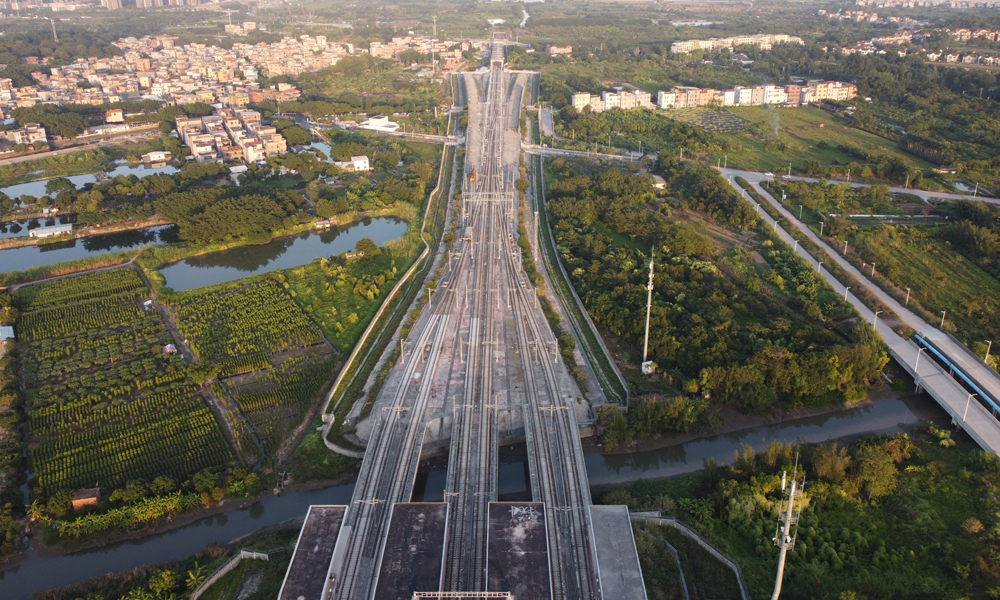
x: 887, y: 416
x: 282, y: 253
x: 39, y: 574
x: 27, y: 257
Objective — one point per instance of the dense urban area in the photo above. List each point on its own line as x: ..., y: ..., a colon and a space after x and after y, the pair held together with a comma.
x: 549, y: 299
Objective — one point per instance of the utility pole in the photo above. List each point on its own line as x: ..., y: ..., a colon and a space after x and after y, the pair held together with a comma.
x: 647, y: 365
x: 783, y: 538
x: 435, y: 19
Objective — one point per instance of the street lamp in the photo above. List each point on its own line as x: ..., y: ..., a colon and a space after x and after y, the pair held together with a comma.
x: 821, y: 226
x: 875, y: 318
x: 845, y: 293
x: 917, y: 364
x: 907, y: 296
x: 800, y: 212
x: 967, y: 403
x: 795, y: 247
x: 942, y: 320
x: 987, y: 359
x: 873, y: 270
x: 818, y: 265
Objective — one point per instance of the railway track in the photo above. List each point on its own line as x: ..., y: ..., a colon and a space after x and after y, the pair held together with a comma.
x: 485, y: 305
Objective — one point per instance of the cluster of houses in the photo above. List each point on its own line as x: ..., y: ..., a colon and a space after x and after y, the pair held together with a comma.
x: 232, y: 135
x: 27, y: 135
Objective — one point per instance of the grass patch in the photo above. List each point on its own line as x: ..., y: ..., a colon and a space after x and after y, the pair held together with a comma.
x: 803, y: 133
x: 716, y: 121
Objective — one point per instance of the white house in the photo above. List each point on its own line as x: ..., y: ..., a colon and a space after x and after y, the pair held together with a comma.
x: 357, y: 163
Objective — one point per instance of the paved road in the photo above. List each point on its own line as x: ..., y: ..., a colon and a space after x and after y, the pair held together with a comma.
x: 629, y: 156
x: 924, y: 194
x: 978, y: 421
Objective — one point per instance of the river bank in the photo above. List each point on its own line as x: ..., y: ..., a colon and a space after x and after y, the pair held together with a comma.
x: 95, y: 543
x: 79, y: 234
x: 188, y: 534
x: 734, y: 420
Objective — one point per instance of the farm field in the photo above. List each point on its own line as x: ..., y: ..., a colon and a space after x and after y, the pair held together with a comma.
x: 269, y: 359
x: 105, y: 405
x: 716, y: 121
x: 799, y: 138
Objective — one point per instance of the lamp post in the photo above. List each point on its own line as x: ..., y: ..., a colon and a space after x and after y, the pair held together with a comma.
x: 845, y: 293
x: 795, y: 247
x: 800, y: 212
x: 987, y: 359
x: 818, y: 265
x: 967, y: 403
x: 821, y: 226
x: 942, y: 320
x: 917, y: 363
x: 875, y: 318
x: 845, y: 247
x: 873, y: 270
x: 907, y: 296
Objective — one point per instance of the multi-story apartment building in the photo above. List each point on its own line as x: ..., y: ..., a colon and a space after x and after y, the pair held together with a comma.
x: 759, y: 95
x: 763, y: 41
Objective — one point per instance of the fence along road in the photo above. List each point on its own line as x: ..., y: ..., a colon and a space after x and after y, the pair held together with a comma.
x: 974, y: 418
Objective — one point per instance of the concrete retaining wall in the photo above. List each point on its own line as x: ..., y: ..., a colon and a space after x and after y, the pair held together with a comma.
x: 691, y: 534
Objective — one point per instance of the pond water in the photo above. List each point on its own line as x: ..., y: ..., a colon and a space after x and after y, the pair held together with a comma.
x: 282, y: 253
x: 37, y: 188
x: 27, y: 257
x: 887, y: 416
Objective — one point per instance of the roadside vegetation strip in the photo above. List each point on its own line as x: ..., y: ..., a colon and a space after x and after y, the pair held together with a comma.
x: 858, y: 288
x: 609, y: 377
x: 350, y: 381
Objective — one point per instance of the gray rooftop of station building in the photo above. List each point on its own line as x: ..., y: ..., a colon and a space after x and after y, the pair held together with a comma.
x: 307, y: 571
x: 413, y: 552
x: 517, y: 550
x: 617, y: 557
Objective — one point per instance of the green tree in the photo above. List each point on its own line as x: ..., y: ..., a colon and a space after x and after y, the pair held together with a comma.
x: 831, y: 464
x: 875, y: 472
x: 296, y: 135
x: 367, y: 248
x: 163, y: 582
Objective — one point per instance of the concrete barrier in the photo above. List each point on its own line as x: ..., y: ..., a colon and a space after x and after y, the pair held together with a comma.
x: 230, y: 565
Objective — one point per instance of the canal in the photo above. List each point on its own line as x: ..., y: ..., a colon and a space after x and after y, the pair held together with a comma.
x: 886, y: 416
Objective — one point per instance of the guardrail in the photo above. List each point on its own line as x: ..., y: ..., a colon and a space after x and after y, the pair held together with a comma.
x: 623, y: 396
x: 328, y: 419
x: 956, y: 369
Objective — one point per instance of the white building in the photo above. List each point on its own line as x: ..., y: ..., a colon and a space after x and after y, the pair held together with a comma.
x: 380, y: 123
x: 357, y: 163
